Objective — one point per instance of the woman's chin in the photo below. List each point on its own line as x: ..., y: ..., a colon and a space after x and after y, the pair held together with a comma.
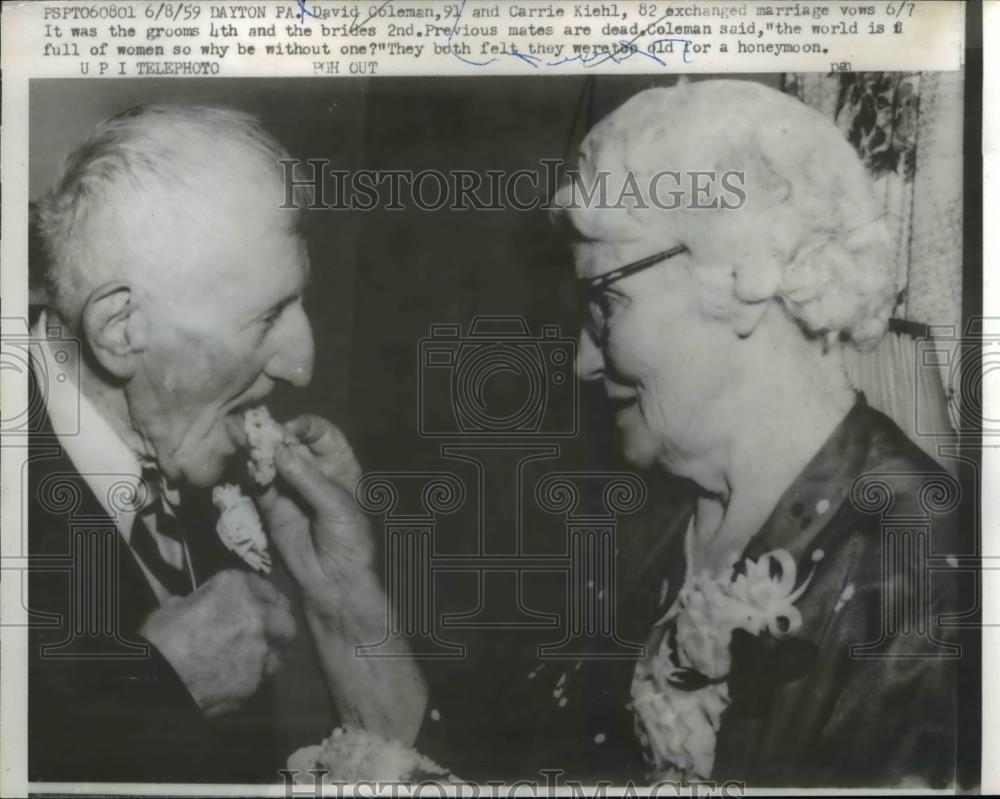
x: 639, y: 449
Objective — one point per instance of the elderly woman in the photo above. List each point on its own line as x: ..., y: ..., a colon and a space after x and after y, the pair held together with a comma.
x: 799, y: 642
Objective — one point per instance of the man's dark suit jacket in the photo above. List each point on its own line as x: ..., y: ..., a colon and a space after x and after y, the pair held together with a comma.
x: 103, y: 704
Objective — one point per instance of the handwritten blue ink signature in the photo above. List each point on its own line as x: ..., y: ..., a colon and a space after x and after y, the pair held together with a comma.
x: 304, y: 11
x: 623, y: 50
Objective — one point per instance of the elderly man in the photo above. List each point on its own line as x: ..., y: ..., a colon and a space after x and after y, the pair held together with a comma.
x: 171, y: 261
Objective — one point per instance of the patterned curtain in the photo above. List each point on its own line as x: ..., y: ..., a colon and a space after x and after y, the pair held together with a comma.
x: 907, y: 128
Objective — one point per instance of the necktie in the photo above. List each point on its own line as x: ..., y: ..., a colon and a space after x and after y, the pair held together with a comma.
x: 165, y: 560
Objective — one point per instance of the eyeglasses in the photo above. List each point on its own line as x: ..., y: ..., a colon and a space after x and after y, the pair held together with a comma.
x: 594, y: 301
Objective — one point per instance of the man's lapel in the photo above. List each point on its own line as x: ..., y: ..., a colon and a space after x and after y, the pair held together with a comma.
x: 52, y: 522
x: 61, y: 508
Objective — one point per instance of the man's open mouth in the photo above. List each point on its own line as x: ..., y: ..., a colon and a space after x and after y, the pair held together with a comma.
x: 248, y: 401
x: 243, y: 406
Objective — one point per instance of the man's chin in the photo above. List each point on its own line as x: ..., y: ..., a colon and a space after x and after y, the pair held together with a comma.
x: 215, y: 459
x: 206, y: 473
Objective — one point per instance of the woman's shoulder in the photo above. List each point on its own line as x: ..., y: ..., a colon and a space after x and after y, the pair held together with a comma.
x: 889, y: 445
x: 899, y: 520
x: 902, y: 525
x: 898, y: 479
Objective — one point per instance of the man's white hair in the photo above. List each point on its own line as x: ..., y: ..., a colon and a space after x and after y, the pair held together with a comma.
x: 810, y: 234
x: 144, y: 170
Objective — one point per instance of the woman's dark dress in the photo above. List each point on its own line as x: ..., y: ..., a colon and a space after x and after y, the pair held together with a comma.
x: 866, y: 692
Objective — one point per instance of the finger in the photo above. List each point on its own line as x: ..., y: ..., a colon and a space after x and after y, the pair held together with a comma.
x: 272, y: 662
x: 321, y: 436
x: 237, y: 432
x: 263, y: 589
x: 279, y: 625
x: 309, y: 428
x: 326, y: 443
x: 226, y: 581
x: 314, y: 487
x: 267, y: 500
x: 304, y: 452
x: 291, y: 535
x: 280, y: 601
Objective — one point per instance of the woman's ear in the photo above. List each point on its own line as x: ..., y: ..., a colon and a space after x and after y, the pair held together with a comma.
x: 755, y: 284
x: 110, y: 330
x: 747, y: 315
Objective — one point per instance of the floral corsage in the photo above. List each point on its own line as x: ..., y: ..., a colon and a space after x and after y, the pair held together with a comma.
x: 681, y: 689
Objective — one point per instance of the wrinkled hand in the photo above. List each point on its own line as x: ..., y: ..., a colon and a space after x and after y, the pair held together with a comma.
x: 327, y: 448
x: 224, y: 638
x: 311, y: 513
x: 326, y: 542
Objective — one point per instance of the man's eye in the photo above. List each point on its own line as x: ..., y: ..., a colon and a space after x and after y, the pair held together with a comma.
x: 607, y: 303
x: 271, y: 317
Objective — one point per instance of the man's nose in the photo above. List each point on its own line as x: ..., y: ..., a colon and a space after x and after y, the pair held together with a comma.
x: 589, y: 358
x: 292, y: 361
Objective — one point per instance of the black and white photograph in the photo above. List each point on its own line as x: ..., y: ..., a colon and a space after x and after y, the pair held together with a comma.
x: 465, y: 432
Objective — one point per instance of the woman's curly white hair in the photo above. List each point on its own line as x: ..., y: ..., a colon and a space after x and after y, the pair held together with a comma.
x: 810, y: 233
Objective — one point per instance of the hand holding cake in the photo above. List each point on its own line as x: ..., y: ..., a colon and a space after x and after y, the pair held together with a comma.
x: 311, y: 513
x: 239, y: 525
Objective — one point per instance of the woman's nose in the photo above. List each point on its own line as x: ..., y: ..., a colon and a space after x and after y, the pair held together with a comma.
x: 589, y: 358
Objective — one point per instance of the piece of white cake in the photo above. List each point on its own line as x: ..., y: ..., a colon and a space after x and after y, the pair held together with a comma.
x: 354, y: 755
x: 239, y: 526
x: 264, y: 435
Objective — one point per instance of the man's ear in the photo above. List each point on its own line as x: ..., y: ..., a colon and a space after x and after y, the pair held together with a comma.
x: 110, y: 329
